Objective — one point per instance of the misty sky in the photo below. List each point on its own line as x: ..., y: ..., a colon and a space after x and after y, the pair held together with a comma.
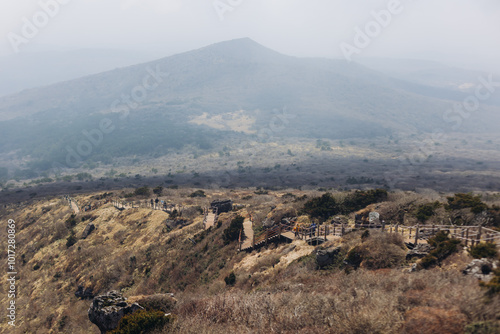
x: 464, y: 33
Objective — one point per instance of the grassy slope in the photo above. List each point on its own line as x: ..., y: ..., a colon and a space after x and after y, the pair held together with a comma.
x: 277, y: 288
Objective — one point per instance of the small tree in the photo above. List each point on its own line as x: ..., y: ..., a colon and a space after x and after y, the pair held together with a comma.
x: 482, y: 250
x: 71, y: 240
x: 426, y: 211
x: 198, y: 193
x: 230, y: 279
x: 321, y: 207
x: 158, y: 190
x: 443, y: 247
x: 142, y: 191
x: 464, y: 201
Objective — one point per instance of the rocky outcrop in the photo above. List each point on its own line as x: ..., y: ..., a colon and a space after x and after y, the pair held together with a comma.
x: 90, y: 227
x: 84, y: 293
x: 481, y: 269
x: 419, y: 251
x: 327, y: 256
x: 221, y: 206
x: 107, y: 310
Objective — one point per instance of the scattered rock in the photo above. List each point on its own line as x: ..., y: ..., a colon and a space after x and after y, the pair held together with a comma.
x: 90, y: 227
x: 419, y: 251
x: 84, y: 293
x: 327, y: 256
x: 107, y: 310
x: 481, y: 269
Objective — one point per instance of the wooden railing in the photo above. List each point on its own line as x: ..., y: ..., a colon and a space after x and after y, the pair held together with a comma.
x: 119, y: 204
x: 469, y: 235
x: 269, y: 234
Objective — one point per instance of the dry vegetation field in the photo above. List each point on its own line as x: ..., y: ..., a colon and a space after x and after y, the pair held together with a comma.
x: 278, y: 289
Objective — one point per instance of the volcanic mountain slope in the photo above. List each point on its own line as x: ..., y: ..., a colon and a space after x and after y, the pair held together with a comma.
x: 157, y: 106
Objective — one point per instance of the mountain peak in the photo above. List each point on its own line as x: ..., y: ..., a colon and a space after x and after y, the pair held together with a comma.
x: 243, y: 48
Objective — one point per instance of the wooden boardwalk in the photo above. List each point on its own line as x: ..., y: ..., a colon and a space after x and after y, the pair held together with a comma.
x: 469, y: 235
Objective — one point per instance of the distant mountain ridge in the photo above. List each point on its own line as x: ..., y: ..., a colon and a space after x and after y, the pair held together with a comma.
x: 327, y: 98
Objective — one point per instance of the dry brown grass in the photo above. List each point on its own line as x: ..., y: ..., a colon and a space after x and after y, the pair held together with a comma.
x: 363, y: 302
x: 130, y: 250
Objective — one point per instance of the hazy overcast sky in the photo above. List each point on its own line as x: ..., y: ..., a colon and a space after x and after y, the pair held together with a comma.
x: 456, y: 32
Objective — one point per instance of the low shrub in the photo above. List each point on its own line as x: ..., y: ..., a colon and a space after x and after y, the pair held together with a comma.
x: 232, y: 233
x: 430, y: 320
x: 142, y: 191
x: 483, y: 250
x: 426, y: 211
x: 464, y: 201
x: 482, y: 327
x: 378, y: 251
x: 163, y: 303
x: 443, y: 247
x: 198, y: 193
x: 71, y: 240
x: 493, y: 285
x: 142, y: 322
x: 230, y: 279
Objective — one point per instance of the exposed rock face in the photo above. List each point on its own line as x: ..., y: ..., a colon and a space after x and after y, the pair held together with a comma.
x: 481, y: 269
x: 107, y: 310
x: 90, y: 227
x: 326, y: 256
x: 84, y: 293
x: 222, y: 206
x: 418, y: 251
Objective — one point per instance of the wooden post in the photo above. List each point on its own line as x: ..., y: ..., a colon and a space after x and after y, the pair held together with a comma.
x: 326, y: 231
x: 409, y: 236
x: 343, y: 229
x: 383, y: 225
x: 479, y: 234
x: 466, y: 236
x: 416, y: 235
x: 396, y: 229
x: 239, y: 239
x: 334, y: 229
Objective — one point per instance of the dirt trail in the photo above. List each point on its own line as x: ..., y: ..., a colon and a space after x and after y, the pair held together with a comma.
x: 248, y: 230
